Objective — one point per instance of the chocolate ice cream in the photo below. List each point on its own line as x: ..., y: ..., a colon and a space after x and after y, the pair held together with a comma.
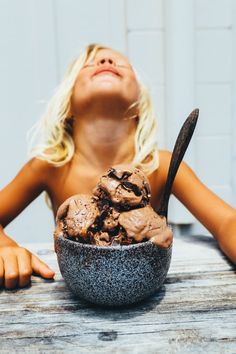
x: 118, y: 212
x: 144, y: 224
x: 126, y: 187
x: 76, y: 216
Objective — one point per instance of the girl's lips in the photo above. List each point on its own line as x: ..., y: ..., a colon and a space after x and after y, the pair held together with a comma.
x: 106, y: 70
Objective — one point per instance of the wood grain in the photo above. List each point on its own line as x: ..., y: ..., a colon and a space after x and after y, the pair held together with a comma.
x: 194, y: 312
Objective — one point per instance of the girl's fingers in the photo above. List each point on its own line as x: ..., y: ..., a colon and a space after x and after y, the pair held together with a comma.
x: 1, y: 271
x: 11, y: 271
x: 24, y: 266
x: 16, y: 266
x: 42, y: 268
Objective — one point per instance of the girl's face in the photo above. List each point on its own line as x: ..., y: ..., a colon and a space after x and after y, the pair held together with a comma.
x: 107, y: 75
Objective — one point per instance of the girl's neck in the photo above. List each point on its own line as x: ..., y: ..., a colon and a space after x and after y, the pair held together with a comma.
x: 103, y: 141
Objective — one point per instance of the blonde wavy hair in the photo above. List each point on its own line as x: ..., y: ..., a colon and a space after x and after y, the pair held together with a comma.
x: 51, y: 138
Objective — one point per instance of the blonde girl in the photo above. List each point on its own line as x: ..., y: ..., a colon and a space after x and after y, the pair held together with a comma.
x: 101, y: 115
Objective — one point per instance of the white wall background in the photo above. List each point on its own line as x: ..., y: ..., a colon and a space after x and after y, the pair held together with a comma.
x: 183, y: 49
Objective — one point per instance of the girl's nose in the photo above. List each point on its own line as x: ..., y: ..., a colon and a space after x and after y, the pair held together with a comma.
x: 103, y: 61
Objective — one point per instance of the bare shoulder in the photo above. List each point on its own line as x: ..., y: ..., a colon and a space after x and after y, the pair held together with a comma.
x: 39, y: 165
x: 184, y: 171
x: 164, y: 158
x: 34, y: 176
x: 184, y: 175
x: 164, y: 163
x: 165, y: 155
x: 186, y: 184
x: 38, y: 169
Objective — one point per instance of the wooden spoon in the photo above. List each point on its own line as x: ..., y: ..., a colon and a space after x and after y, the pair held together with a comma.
x: 180, y: 148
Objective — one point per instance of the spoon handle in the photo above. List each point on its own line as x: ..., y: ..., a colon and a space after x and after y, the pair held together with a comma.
x: 180, y: 148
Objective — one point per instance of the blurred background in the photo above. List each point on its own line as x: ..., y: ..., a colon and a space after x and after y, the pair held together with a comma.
x: 184, y: 50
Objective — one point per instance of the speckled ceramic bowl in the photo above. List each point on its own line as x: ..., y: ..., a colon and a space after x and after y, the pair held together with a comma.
x: 112, y: 275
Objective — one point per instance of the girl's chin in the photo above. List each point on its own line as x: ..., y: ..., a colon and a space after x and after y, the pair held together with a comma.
x: 103, y: 98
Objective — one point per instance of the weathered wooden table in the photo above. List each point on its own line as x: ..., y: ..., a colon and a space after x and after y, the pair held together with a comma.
x: 194, y: 312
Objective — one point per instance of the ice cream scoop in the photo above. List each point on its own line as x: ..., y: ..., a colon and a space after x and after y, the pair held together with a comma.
x: 75, y: 216
x: 145, y: 224
x: 125, y: 186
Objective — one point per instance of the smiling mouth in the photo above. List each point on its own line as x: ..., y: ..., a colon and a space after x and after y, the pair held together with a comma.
x: 105, y: 72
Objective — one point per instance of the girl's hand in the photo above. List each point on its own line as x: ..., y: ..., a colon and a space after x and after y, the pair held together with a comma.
x: 17, y: 265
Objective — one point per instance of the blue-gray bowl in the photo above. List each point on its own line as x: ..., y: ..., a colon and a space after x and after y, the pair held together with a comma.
x: 112, y: 275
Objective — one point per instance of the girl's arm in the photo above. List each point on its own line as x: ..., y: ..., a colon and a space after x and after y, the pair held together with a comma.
x: 215, y: 214
x: 17, y: 263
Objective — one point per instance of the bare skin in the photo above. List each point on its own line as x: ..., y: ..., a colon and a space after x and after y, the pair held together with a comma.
x: 103, y: 138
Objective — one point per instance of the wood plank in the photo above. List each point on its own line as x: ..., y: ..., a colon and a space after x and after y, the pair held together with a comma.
x: 194, y: 311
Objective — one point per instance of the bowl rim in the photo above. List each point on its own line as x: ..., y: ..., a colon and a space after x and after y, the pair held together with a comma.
x: 117, y: 247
